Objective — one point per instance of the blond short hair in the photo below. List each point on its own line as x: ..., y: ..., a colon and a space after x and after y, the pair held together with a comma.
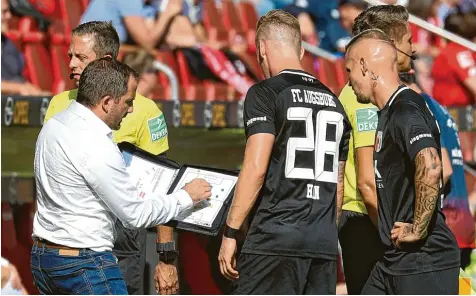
x: 283, y: 25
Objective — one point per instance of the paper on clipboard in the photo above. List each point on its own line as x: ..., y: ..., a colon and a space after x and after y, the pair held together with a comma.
x: 150, y: 178
x: 205, y: 212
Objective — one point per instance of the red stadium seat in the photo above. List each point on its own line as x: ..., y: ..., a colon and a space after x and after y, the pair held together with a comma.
x: 309, y: 65
x: 69, y: 14
x: 213, y: 22
x: 38, y: 61
x: 194, y: 88
x: 24, y: 216
x: 249, y: 19
x: 328, y: 74
x: 9, y: 237
x: 341, y: 74
x: 45, y: 7
x: 85, y: 4
x: 232, y: 22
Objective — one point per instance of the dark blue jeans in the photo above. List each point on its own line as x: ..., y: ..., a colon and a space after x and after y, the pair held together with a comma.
x: 88, y: 273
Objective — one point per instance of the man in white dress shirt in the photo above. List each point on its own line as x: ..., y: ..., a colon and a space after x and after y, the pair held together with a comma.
x: 83, y: 187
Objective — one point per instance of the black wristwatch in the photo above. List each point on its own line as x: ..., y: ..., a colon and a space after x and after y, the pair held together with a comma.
x: 167, y: 252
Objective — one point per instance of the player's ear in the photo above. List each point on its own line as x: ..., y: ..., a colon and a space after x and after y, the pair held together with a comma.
x: 106, y: 103
x: 302, y: 53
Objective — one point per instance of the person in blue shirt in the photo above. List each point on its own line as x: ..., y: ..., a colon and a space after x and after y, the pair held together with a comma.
x: 456, y: 204
x: 325, y: 15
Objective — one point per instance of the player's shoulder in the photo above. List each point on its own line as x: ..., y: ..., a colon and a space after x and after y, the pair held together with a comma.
x: 407, y: 105
x: 145, y: 105
x: 67, y: 95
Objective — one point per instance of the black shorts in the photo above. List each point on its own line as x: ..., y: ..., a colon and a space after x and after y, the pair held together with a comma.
x: 130, y: 248
x: 441, y: 282
x: 263, y: 274
x: 361, y: 249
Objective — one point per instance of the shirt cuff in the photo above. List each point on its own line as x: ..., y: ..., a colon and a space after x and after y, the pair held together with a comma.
x: 184, y: 200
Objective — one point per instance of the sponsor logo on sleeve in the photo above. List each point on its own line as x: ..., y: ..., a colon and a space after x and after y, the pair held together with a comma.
x: 367, y: 119
x: 157, y: 128
x: 421, y: 136
x: 252, y: 120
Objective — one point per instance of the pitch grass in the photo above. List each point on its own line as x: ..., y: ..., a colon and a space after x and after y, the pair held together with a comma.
x: 221, y: 148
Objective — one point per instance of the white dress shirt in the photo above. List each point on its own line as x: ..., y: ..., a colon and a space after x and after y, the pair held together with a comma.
x: 82, y: 185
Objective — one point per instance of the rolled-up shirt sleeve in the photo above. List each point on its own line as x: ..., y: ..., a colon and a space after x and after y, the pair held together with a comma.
x: 108, y: 178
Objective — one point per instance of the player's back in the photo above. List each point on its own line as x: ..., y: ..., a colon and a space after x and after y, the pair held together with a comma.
x: 296, y: 213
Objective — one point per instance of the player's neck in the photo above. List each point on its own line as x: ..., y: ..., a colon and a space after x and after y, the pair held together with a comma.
x: 287, y: 64
x: 384, y: 92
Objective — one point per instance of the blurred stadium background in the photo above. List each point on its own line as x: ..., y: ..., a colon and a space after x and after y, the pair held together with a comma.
x: 202, y: 107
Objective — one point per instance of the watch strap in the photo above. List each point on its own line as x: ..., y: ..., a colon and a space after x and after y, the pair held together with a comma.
x: 165, y: 247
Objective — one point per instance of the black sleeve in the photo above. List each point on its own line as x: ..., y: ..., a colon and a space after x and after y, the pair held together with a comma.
x: 344, y: 142
x: 411, y: 129
x: 258, y: 113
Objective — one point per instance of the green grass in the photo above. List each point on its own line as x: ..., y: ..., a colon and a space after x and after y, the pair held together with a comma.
x: 222, y: 148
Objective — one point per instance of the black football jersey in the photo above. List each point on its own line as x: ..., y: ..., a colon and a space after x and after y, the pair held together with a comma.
x: 405, y: 127
x: 296, y: 209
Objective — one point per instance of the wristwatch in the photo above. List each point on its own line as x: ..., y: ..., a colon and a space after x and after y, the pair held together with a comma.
x: 167, y: 252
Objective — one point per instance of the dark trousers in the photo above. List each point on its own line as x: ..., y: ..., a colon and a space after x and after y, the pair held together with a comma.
x: 285, y: 275
x: 130, y: 248
x: 89, y: 272
x: 441, y: 282
x: 361, y: 249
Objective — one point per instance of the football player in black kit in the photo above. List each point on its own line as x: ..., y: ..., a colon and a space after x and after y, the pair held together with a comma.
x: 297, y: 143
x: 421, y: 254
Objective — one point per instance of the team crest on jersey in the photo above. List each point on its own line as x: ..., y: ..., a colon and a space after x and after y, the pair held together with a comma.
x: 378, y: 141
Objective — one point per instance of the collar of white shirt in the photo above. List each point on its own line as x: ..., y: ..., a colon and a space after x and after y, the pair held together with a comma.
x: 92, y: 119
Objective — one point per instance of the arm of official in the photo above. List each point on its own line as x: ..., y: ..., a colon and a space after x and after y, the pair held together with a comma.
x: 260, y: 132
x: 364, y: 123
x: 414, y: 136
x: 108, y: 178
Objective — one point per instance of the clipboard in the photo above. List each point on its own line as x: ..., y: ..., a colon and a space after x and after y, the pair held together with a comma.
x: 223, y: 186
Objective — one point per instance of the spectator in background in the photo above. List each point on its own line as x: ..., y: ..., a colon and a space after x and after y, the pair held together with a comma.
x: 454, y: 70
x: 131, y: 19
x: 321, y: 17
x: 13, y: 81
x: 348, y: 11
x: 136, y: 23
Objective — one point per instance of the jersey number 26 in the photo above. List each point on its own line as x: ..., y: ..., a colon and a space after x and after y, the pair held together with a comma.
x: 329, y: 129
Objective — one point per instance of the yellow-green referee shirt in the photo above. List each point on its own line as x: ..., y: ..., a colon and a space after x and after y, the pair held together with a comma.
x: 145, y: 127
x: 364, y: 119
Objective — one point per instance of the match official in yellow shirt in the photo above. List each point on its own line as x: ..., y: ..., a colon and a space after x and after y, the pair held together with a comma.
x: 358, y: 233
x: 145, y: 127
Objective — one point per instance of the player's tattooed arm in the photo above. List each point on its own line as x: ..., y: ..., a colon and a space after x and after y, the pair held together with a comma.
x: 340, y: 190
x: 427, y: 182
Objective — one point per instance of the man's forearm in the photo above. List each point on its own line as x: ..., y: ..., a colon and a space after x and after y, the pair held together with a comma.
x: 165, y: 234
x: 340, y: 190
x: 247, y: 190
x: 427, y: 183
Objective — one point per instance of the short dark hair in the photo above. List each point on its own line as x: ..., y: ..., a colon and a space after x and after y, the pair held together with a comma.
x: 106, y: 40
x: 391, y: 19
x: 359, y: 4
x: 104, y: 77
x: 462, y: 24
